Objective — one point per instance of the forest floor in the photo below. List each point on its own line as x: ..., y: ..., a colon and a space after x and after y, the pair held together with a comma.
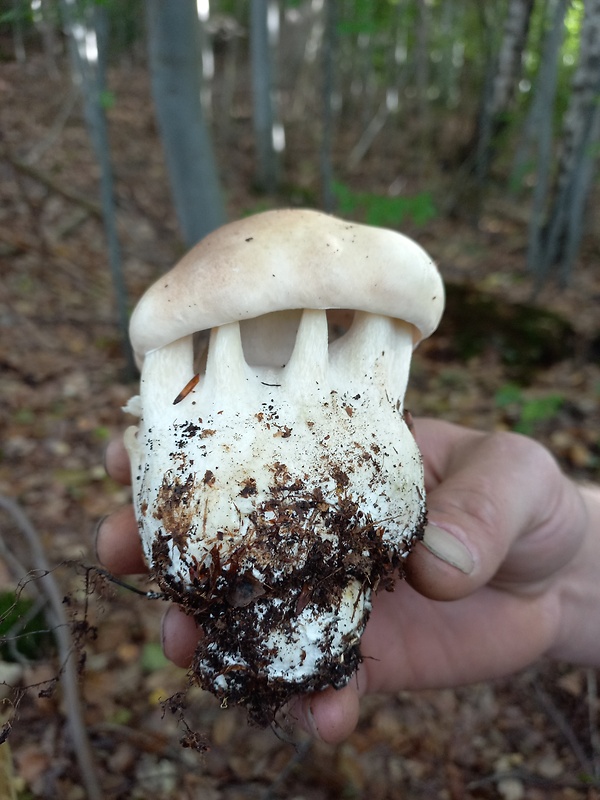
x: 534, y: 736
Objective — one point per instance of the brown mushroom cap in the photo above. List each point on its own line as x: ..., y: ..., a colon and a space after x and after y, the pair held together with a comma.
x: 289, y: 259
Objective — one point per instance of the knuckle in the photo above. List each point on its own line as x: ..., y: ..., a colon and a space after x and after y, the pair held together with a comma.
x: 525, y: 454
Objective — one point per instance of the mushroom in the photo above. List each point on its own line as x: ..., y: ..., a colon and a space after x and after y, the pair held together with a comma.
x: 276, y: 494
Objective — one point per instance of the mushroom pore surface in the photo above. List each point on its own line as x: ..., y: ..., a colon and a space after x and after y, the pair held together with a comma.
x: 286, y: 486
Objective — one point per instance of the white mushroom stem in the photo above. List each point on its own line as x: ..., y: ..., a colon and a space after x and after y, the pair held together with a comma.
x: 227, y: 373
x: 165, y: 371
x: 307, y: 372
x: 241, y: 419
x: 376, y: 351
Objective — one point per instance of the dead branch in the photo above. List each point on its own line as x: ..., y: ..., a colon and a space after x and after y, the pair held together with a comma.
x: 56, y: 128
x: 62, y: 630
x: 49, y: 183
x: 375, y: 126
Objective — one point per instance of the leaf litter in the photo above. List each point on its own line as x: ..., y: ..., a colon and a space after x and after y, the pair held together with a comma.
x: 532, y: 736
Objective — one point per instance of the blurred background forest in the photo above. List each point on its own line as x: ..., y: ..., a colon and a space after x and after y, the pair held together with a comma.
x: 128, y: 130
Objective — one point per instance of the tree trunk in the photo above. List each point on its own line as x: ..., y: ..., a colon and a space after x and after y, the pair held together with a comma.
x: 329, y: 42
x: 510, y: 57
x: 422, y: 72
x: 87, y: 29
x: 207, y: 57
x: 452, y: 55
x: 498, y: 99
x: 262, y: 96
x: 173, y: 39
x: 561, y: 236
x: 17, y: 32
x: 539, y: 126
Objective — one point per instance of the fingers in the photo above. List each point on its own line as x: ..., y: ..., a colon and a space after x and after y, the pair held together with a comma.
x: 330, y: 715
x: 492, y: 500
x: 118, y: 544
x: 117, y: 539
x: 180, y: 635
x: 116, y: 461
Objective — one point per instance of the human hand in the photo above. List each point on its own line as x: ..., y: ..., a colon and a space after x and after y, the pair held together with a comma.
x: 485, y: 592
x: 509, y: 562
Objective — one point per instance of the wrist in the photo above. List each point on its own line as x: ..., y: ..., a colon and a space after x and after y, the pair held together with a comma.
x: 578, y: 593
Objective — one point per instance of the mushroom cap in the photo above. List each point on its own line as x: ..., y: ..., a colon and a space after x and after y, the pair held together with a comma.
x: 289, y: 259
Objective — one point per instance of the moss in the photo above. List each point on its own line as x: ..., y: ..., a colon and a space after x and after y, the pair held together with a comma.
x: 526, y: 338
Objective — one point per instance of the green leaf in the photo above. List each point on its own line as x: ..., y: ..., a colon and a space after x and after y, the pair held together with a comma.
x: 508, y: 395
x: 539, y: 409
x: 382, y: 211
x: 23, y: 629
x: 107, y: 99
x: 153, y: 657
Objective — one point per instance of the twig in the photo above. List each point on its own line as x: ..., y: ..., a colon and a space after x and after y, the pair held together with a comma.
x: 68, y: 674
x: 56, y: 128
x: 46, y: 180
x: 564, y: 727
x: 375, y: 126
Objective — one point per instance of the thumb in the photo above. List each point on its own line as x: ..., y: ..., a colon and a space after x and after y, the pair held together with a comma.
x: 487, y: 495
x: 441, y: 565
x: 330, y: 715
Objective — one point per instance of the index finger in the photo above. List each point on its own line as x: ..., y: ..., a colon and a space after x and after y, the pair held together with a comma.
x: 116, y: 461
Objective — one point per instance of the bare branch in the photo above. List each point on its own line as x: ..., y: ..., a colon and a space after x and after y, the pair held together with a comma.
x: 39, y: 176
x: 68, y: 675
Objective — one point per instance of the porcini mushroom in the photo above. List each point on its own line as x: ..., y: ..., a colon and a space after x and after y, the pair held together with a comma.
x: 283, y: 488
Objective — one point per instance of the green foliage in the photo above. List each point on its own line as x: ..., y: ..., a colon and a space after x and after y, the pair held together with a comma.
x: 367, y: 18
x: 525, y: 337
x: 527, y: 413
x: 573, y: 23
x: 379, y: 210
x: 153, y: 658
x: 107, y: 99
x: 22, y: 13
x: 122, y: 716
x: 101, y: 433
x: 23, y: 629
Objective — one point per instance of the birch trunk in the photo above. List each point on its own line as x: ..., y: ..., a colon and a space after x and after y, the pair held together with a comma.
x: 539, y: 134
x: 510, y: 57
x: 538, y: 126
x: 326, y: 154
x: 87, y: 30
x: 174, y: 48
x: 262, y: 96
x: 504, y: 82
x: 561, y: 236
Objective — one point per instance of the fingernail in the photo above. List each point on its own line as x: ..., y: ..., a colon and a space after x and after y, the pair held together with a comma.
x: 310, y: 720
x: 163, y: 639
x: 162, y: 629
x: 448, y: 548
x: 95, y: 535
x: 301, y: 711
